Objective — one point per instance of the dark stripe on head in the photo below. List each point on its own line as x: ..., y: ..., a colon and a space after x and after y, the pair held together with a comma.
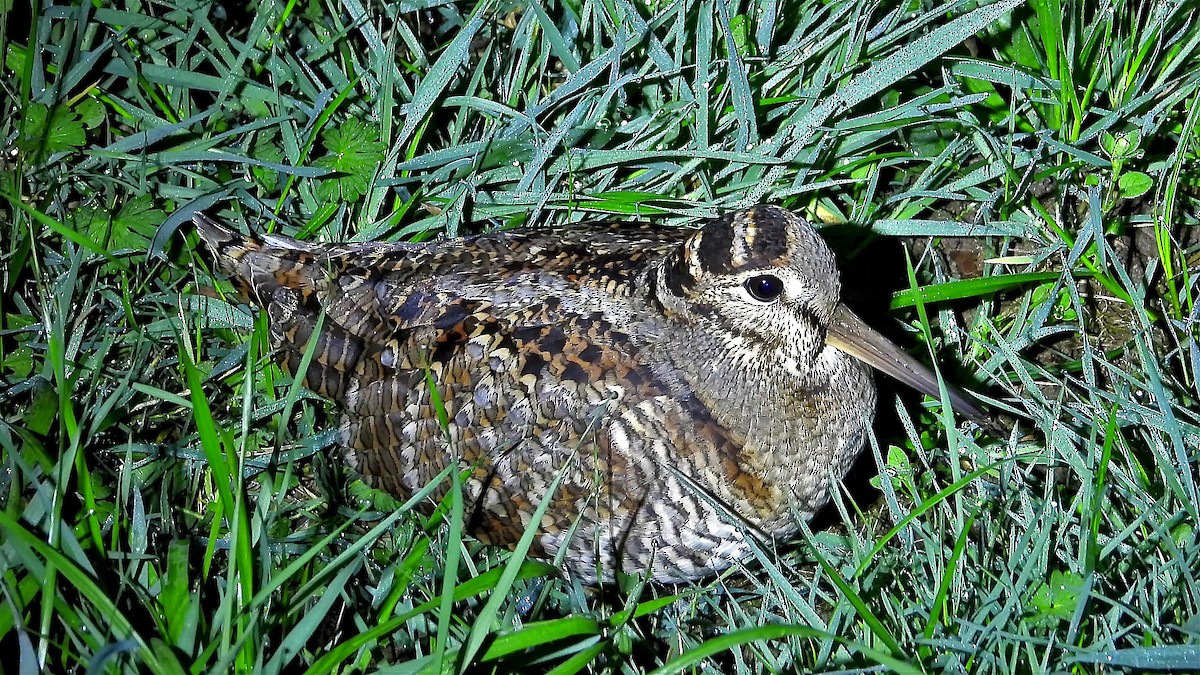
x: 811, y: 318
x: 749, y: 239
x: 678, y: 278
x: 765, y: 336
x: 652, y: 290
x: 715, y: 252
x: 808, y: 315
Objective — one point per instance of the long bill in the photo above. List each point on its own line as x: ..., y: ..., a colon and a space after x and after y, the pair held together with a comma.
x: 851, y: 335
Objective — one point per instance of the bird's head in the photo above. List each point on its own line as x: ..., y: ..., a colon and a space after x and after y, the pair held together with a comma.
x: 765, y: 280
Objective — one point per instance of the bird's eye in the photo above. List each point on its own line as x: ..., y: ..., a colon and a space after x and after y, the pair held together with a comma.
x: 765, y: 287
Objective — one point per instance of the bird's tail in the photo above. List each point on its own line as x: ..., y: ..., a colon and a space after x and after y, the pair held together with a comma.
x: 261, y: 266
x: 290, y: 280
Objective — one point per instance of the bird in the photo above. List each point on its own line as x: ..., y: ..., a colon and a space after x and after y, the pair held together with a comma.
x: 677, y: 394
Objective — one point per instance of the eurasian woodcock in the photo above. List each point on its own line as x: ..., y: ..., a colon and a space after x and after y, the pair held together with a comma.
x: 695, y: 388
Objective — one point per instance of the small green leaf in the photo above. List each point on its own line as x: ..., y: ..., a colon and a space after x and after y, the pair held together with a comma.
x: 739, y: 25
x: 131, y: 227
x: 89, y: 221
x: 18, y: 363
x: 175, y: 588
x: 1121, y: 145
x: 1055, y: 601
x: 1134, y: 184
x: 64, y: 131
x: 14, y: 58
x: 897, y: 461
x: 43, y: 410
x: 269, y: 152
x: 354, y: 150
x: 135, y: 224
x: 49, y: 131
x: 91, y: 112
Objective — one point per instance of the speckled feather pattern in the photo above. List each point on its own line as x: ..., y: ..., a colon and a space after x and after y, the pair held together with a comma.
x: 684, y: 415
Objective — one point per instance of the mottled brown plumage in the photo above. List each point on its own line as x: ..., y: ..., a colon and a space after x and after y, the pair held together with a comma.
x: 695, y: 388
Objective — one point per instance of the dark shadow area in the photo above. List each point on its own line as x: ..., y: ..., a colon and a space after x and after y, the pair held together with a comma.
x: 873, y: 269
